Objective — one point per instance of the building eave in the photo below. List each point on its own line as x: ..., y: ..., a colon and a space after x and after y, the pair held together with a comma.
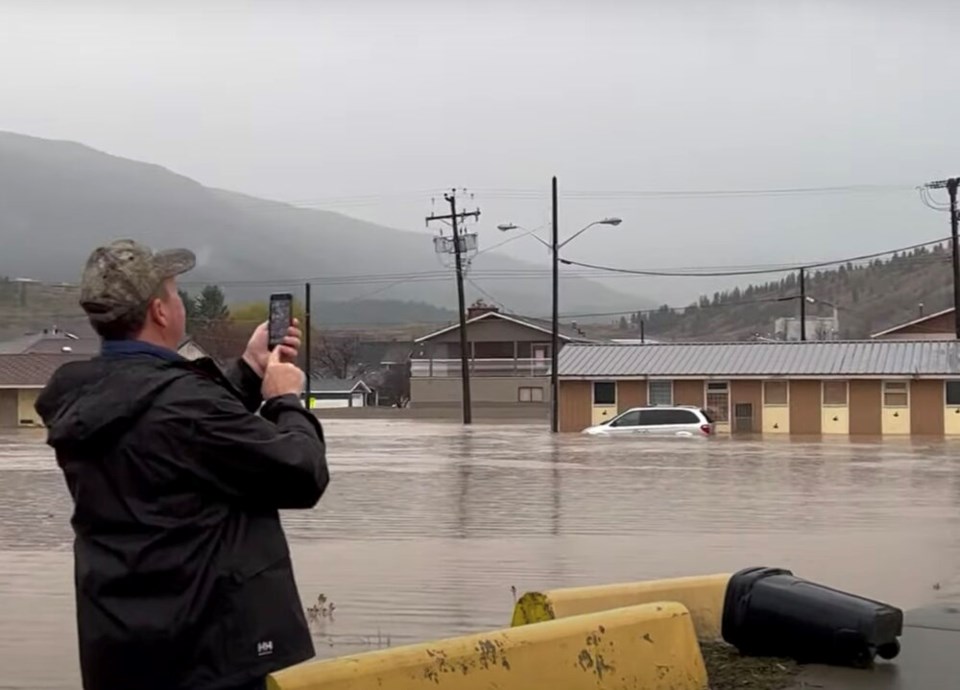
x: 498, y: 315
x: 915, y: 322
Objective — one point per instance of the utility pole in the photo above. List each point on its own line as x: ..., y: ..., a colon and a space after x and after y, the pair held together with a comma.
x: 458, y: 251
x: 952, y: 191
x: 555, y: 326
x: 951, y: 186
x: 306, y: 332
x: 803, y: 305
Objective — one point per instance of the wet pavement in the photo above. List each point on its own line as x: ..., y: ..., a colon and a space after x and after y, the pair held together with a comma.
x: 929, y: 660
x: 426, y: 527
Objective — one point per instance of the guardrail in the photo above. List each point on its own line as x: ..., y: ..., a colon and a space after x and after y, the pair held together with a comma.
x: 450, y: 368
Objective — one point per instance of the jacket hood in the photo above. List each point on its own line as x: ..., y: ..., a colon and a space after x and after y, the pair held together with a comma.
x: 85, y: 402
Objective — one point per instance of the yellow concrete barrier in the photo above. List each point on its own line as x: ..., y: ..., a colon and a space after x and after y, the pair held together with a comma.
x: 701, y: 595
x: 653, y: 647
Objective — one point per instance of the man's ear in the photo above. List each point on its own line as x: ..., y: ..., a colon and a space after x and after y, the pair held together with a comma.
x: 157, y: 312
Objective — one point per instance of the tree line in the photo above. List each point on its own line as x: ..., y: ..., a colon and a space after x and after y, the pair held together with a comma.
x: 869, y: 297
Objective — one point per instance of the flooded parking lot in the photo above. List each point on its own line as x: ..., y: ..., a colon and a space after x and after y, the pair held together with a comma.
x: 426, y: 527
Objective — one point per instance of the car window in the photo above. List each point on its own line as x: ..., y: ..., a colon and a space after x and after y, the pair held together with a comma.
x: 684, y: 417
x: 668, y: 416
x: 631, y: 418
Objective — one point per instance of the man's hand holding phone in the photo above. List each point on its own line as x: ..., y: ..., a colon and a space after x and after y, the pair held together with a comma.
x: 258, y: 349
x: 281, y: 377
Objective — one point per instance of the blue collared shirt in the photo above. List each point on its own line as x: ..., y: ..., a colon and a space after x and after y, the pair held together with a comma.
x: 120, y: 348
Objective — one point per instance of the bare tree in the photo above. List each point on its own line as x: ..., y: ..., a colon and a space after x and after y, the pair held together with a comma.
x: 337, y: 358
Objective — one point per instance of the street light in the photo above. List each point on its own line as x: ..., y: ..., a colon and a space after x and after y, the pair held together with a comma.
x: 555, y: 248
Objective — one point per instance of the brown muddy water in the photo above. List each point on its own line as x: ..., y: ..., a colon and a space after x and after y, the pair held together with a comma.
x: 426, y: 527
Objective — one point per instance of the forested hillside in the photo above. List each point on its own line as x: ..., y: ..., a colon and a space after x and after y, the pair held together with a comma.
x: 869, y: 297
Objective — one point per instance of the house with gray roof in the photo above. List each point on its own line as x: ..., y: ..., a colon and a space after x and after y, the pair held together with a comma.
x: 856, y: 388
x: 328, y: 393
x: 509, y: 358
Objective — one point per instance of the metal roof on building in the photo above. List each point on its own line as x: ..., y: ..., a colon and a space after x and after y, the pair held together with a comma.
x: 811, y: 359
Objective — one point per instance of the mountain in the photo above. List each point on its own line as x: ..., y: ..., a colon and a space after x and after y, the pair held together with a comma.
x: 60, y: 199
x: 869, y: 298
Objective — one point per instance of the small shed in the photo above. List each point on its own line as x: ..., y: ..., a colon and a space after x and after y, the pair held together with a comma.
x: 328, y: 393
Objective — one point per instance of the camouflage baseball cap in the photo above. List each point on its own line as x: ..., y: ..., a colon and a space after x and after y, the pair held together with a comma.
x: 124, y: 276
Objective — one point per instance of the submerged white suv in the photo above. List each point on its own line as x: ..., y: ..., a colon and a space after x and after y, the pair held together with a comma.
x: 661, y: 421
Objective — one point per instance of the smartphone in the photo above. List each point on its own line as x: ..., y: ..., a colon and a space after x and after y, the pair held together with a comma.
x: 281, y: 317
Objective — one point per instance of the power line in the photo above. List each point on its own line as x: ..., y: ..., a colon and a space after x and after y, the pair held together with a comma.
x: 521, y: 193
x: 779, y: 269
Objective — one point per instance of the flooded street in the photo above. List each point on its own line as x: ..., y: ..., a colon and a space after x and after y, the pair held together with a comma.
x: 426, y: 527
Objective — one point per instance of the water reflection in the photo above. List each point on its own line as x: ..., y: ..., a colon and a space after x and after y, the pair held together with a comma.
x: 426, y: 527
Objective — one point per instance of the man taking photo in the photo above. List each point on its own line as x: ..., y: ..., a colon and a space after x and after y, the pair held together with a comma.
x: 182, y: 571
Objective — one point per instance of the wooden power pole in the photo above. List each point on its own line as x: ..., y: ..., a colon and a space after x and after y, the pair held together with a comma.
x: 458, y: 251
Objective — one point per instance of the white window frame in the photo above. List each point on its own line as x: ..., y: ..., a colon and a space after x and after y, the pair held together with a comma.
x: 706, y: 401
x: 883, y: 395
x: 650, y: 384
x: 786, y: 383
x: 530, y: 390
x: 823, y: 394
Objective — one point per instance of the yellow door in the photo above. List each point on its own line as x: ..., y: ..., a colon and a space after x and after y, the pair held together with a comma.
x: 776, y: 419
x: 603, y: 413
x: 26, y: 414
x: 835, y: 419
x: 605, y: 396
x: 895, y: 420
x: 951, y: 421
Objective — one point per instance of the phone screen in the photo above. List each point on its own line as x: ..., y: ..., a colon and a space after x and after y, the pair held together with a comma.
x: 281, y: 317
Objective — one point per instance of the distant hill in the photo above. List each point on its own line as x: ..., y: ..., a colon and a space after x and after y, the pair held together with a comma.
x: 869, y: 298
x: 60, y: 199
x: 28, y: 306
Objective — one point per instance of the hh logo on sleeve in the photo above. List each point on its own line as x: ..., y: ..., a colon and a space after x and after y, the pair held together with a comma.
x: 265, y: 648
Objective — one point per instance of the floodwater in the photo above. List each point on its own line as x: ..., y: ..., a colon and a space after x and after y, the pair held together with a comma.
x: 426, y: 527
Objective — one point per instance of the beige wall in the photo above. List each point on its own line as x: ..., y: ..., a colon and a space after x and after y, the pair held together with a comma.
x: 8, y: 408
x: 865, y: 408
x: 688, y: 393
x: 576, y: 404
x: 26, y: 415
x: 747, y: 392
x: 482, y: 389
x: 631, y: 394
x: 805, y: 407
x: 926, y: 408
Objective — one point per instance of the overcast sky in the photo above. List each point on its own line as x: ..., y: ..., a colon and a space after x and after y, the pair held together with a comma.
x: 369, y: 107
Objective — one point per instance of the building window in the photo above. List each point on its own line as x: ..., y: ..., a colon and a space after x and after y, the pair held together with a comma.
x: 835, y: 393
x: 896, y: 394
x: 660, y: 393
x: 953, y: 393
x: 775, y: 393
x: 718, y: 401
x: 530, y: 394
x: 604, y: 393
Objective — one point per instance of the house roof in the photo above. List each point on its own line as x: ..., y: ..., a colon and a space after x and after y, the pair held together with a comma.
x: 864, y: 358
x: 51, y: 342
x: 322, y: 385
x: 915, y: 322
x: 534, y: 324
x: 32, y: 370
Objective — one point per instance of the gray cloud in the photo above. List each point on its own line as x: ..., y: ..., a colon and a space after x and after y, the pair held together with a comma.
x: 368, y: 107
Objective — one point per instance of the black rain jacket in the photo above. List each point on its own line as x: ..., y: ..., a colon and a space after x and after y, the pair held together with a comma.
x: 183, y: 575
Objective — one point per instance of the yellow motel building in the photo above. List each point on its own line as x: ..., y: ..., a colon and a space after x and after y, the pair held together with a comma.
x: 855, y: 388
